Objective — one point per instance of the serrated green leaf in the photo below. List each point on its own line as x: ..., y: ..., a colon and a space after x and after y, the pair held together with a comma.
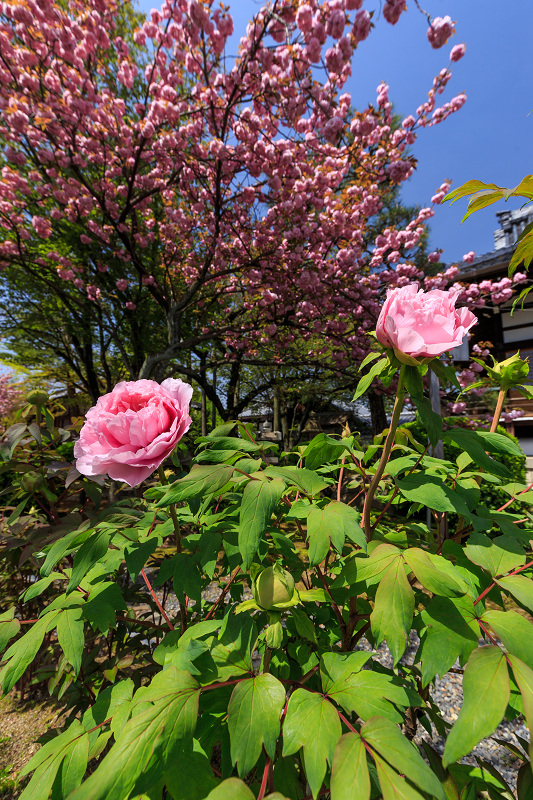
x: 350, y: 779
x: 431, y: 578
x: 515, y: 631
x: 313, y: 724
x: 386, y: 738
x: 451, y: 633
x: 486, y: 691
x: 259, y: 501
x: 70, y: 636
x: 254, y: 719
x: 392, y: 615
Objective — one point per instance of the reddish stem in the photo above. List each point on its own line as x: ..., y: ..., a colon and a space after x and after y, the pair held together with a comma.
x: 341, y: 475
x: 509, y: 575
x: 143, y: 623
x: 101, y: 725
x: 348, y: 724
x: 485, y: 631
x: 223, y: 594
x: 508, y: 503
x: 264, y: 780
x: 333, y: 603
x: 158, y: 604
x: 223, y: 683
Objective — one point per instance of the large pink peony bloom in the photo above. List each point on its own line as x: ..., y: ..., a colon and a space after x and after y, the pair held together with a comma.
x: 422, y: 324
x: 131, y: 430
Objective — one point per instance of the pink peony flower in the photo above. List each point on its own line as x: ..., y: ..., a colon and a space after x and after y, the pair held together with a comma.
x: 422, y: 324
x: 131, y: 430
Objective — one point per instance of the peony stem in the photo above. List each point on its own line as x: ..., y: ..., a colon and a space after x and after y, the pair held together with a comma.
x: 266, y: 659
x: 398, y: 405
x: 177, y: 534
x: 174, y: 516
x: 498, y: 409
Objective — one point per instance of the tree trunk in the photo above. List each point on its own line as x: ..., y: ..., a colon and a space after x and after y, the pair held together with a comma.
x: 377, y: 413
x: 213, y: 406
x: 276, y: 409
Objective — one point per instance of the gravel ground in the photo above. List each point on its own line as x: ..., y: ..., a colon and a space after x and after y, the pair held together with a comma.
x: 447, y: 694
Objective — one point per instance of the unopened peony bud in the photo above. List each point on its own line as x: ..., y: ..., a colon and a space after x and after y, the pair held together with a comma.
x: 31, y: 481
x: 37, y: 397
x: 511, y: 372
x: 273, y: 586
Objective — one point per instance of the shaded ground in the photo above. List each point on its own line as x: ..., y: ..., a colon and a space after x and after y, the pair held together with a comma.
x: 20, y: 725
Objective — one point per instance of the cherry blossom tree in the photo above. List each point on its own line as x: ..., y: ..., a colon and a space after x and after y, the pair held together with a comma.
x: 143, y: 167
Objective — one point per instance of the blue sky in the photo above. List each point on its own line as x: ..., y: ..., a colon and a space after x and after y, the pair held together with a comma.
x: 488, y: 139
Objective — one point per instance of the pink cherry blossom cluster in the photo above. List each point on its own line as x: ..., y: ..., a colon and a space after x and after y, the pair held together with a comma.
x: 439, y: 31
x: 11, y: 396
x: 252, y: 180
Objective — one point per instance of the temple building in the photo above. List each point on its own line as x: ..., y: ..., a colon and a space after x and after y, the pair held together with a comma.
x: 507, y: 331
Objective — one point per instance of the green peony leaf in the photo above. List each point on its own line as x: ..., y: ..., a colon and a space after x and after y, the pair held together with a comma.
x: 392, y: 615
x: 431, y: 578
x: 312, y: 724
x: 231, y: 789
x: 386, y: 738
x: 259, y: 501
x: 165, y: 718
x: 515, y: 631
x: 70, y: 635
x: 200, y: 481
x: 350, y: 779
x: 497, y: 556
x: 486, y: 692
x: 254, y: 713
x: 451, y: 633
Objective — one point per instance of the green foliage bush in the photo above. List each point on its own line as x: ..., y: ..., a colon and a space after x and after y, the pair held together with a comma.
x: 253, y: 682
x: 493, y: 496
